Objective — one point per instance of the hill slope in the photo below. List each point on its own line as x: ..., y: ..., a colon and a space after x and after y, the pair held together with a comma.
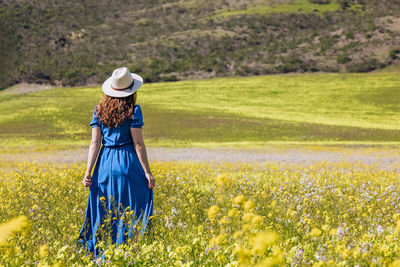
x: 80, y: 42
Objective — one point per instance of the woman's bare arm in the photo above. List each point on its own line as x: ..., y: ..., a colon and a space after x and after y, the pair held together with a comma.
x: 92, y: 155
x: 142, y: 154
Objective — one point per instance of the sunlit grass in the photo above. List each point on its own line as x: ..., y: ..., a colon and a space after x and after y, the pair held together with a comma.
x: 362, y: 100
x: 302, y: 108
x: 296, y: 6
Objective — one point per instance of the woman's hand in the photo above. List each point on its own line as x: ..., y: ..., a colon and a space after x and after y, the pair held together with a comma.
x: 152, y: 181
x: 87, y: 180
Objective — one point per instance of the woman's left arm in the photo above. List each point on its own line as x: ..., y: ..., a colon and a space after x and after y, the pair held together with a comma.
x: 92, y: 156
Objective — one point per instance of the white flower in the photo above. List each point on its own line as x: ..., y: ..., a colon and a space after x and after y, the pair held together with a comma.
x: 380, y: 230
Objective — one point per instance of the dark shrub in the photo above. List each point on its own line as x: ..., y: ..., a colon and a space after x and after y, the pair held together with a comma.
x: 366, y: 66
x: 342, y: 59
x: 349, y: 35
x: 344, y: 4
x: 393, y: 54
x: 319, y: 1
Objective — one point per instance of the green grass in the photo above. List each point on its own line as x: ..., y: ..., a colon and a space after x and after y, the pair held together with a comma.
x: 360, y: 100
x: 296, y: 6
x: 250, y: 111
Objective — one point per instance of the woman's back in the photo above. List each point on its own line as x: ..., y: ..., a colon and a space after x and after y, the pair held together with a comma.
x: 118, y: 173
x: 120, y: 135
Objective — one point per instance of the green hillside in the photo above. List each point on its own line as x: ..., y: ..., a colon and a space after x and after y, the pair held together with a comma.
x: 253, y: 111
x: 80, y: 42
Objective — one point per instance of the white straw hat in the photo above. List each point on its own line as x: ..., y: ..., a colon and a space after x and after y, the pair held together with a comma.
x: 122, y: 83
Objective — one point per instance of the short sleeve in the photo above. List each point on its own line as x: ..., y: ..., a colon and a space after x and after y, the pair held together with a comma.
x: 94, y: 122
x: 137, y: 118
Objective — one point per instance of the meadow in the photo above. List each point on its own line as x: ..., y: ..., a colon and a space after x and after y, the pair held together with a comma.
x: 240, y: 111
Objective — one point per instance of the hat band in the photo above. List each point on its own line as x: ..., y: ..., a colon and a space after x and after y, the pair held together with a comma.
x: 121, y: 89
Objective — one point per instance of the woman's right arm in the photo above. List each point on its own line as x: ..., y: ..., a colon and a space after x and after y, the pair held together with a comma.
x: 140, y: 149
x: 92, y: 155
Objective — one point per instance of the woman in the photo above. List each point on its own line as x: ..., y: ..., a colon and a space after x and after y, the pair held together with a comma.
x: 121, y: 184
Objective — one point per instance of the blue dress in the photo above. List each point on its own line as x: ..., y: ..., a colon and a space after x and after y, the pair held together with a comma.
x: 118, y: 185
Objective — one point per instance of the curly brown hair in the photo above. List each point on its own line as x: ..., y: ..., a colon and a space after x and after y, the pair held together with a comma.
x: 113, y: 111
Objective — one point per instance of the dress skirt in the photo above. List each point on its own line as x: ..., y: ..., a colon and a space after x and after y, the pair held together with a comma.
x: 119, y: 191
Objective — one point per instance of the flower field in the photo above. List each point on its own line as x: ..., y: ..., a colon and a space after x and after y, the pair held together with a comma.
x: 221, y: 214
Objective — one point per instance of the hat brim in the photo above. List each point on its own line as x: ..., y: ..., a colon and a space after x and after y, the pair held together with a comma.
x: 138, y: 81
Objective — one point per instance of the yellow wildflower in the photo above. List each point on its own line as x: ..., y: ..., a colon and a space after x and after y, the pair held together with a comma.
x: 222, y: 180
x: 318, y: 264
x: 333, y: 231
x: 43, y: 251
x: 237, y: 234
x: 233, y: 212
x: 261, y: 241
x: 218, y: 240
x: 315, y: 232
x: 257, y: 219
x: 243, y: 253
x: 345, y: 254
x: 13, y: 226
x: 248, y: 205
x: 224, y: 220
x: 396, y: 263
x: 398, y: 225
x: 356, y: 253
x: 330, y: 262
x: 238, y: 200
x: 248, y: 216
x: 213, y: 212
